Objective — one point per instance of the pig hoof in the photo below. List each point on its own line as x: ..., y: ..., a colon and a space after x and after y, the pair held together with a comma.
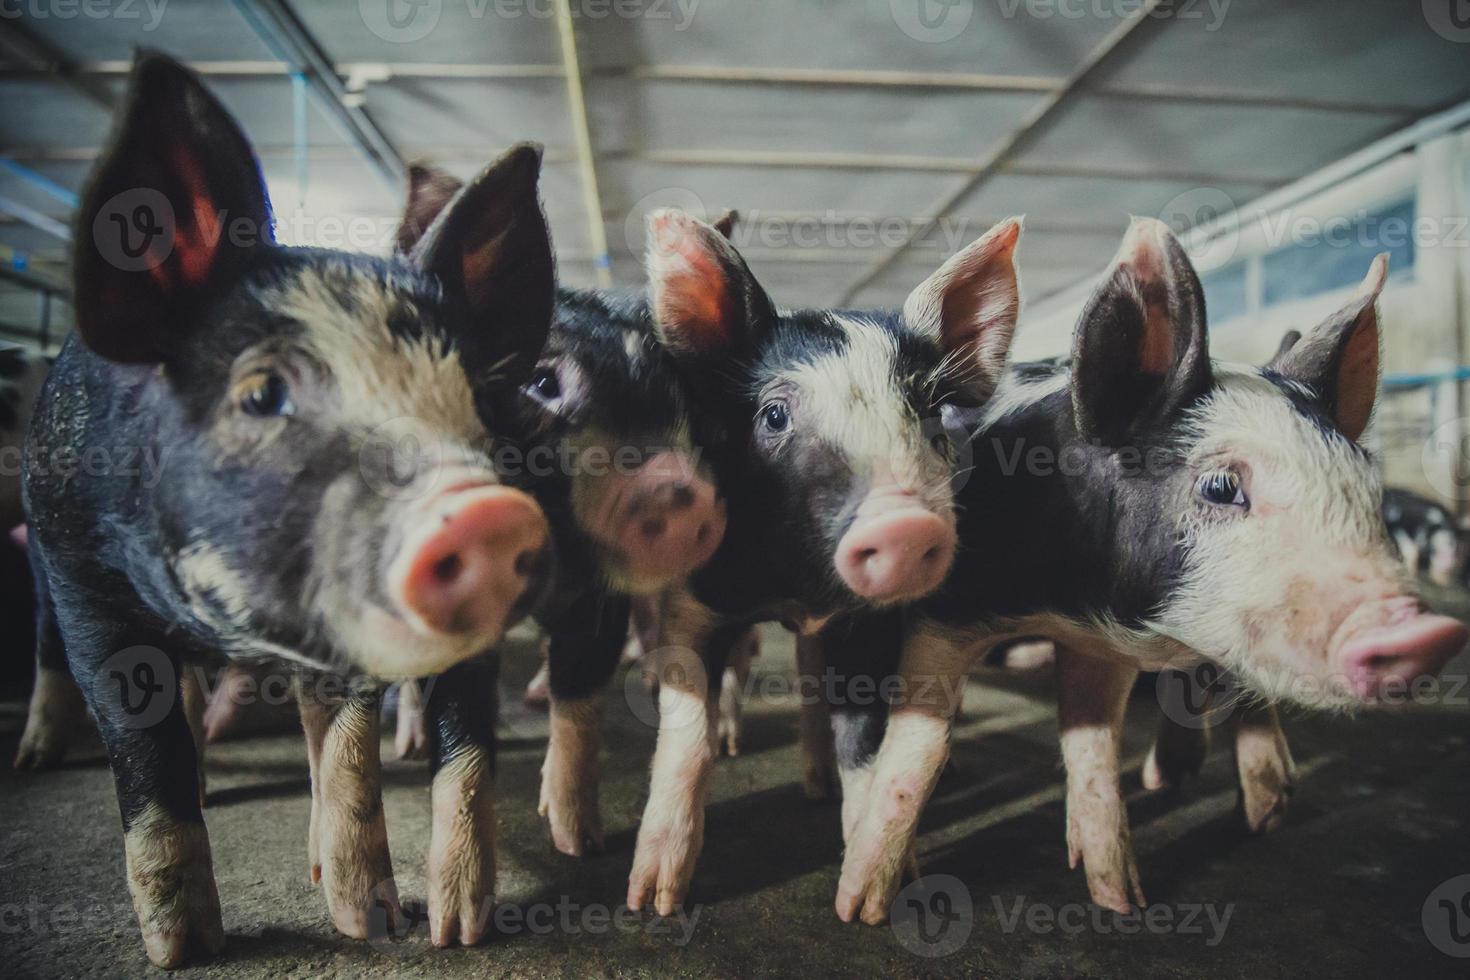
x: 1174, y: 759
x: 41, y: 747
x: 538, y: 691
x: 730, y: 741
x: 574, y: 836
x: 367, y: 917
x: 56, y: 710
x: 461, y: 901
x: 410, y: 741
x: 664, y: 880
x: 868, y: 886
x: 170, y: 948
x: 1106, y: 853
x: 820, y: 782
x: 1264, y: 797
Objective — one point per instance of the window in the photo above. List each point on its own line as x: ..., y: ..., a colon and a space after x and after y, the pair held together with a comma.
x: 1336, y: 254
x: 1225, y: 293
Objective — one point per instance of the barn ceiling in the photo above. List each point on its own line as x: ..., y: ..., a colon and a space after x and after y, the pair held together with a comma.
x: 862, y: 141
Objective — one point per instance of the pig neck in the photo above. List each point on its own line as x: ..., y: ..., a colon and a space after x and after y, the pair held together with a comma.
x: 1052, y: 524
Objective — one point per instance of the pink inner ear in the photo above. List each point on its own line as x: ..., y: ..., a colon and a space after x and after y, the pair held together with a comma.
x: 694, y: 296
x: 1357, y: 378
x: 1156, y: 346
x: 196, y: 243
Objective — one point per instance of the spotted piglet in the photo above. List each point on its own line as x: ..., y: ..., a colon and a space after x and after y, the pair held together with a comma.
x: 612, y: 450
x: 326, y: 501
x: 1147, y: 508
x: 834, y: 456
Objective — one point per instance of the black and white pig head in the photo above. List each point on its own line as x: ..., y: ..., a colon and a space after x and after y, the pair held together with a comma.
x: 606, y: 416
x: 1254, y: 504
x: 327, y: 493
x: 837, y: 463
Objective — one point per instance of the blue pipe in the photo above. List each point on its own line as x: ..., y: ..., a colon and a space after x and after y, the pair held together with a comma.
x: 1461, y: 373
x: 41, y: 181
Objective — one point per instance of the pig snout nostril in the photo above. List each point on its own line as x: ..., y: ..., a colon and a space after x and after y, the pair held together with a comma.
x: 447, y: 569
x: 682, y: 497
x: 527, y: 563
x: 654, y: 528
x: 932, y: 555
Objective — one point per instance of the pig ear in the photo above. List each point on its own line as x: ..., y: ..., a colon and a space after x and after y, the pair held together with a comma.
x: 429, y: 190
x: 1288, y: 341
x: 175, y: 208
x: 725, y: 224
x: 491, y: 250
x: 1140, y: 352
x: 970, y: 307
x: 1340, y: 359
x: 706, y: 303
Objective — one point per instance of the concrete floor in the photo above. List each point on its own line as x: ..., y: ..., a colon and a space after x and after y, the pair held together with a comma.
x: 1380, y: 818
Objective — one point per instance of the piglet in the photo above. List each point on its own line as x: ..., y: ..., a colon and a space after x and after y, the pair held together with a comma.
x: 325, y: 500
x: 1147, y: 508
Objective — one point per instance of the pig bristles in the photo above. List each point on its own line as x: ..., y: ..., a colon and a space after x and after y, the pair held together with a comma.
x: 494, y: 372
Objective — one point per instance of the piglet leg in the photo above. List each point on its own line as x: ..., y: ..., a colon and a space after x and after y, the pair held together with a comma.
x: 931, y: 677
x: 819, y: 763
x: 581, y: 657
x: 347, y: 842
x: 1264, y: 764
x: 132, y: 686
x: 672, y: 832
x: 460, y: 708
x: 1183, y: 740
x: 732, y: 690
x: 1093, y: 694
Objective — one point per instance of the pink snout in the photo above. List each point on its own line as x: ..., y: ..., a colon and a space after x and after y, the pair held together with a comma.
x: 895, y: 553
x: 469, y: 562
x: 663, y: 519
x: 1382, y: 661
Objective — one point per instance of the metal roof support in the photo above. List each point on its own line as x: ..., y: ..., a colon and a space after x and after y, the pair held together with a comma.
x: 1030, y: 126
x: 282, y: 31
x: 582, y: 134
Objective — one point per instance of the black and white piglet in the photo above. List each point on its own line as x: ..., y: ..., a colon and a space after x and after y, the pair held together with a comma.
x: 612, y: 449
x: 326, y: 500
x: 1148, y: 508
x: 836, y: 469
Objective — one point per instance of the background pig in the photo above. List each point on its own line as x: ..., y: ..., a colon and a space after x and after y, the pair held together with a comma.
x: 1425, y: 533
x: 612, y: 449
x: 837, y: 471
x: 287, y: 523
x: 1216, y: 512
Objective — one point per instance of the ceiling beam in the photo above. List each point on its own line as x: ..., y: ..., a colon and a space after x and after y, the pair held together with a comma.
x: 1021, y: 137
x: 47, y: 60
x: 788, y: 77
x: 876, y: 162
x: 287, y: 37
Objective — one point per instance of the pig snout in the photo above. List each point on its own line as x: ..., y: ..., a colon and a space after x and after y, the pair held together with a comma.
x: 470, y: 557
x: 895, y: 549
x: 1407, y: 644
x: 664, y: 519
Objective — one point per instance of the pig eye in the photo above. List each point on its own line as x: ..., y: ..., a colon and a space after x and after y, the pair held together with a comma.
x: 775, y: 417
x: 545, y: 385
x: 1223, y: 487
x: 265, y: 396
